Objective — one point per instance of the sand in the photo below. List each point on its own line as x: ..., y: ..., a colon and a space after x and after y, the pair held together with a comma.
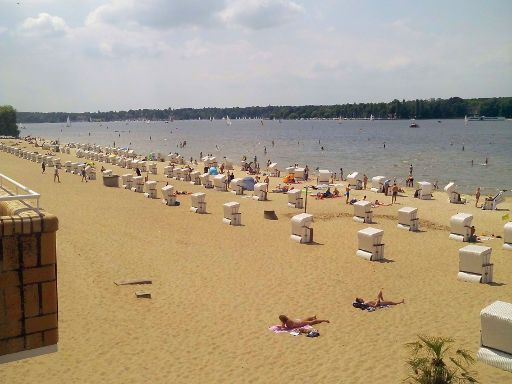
x: 216, y: 288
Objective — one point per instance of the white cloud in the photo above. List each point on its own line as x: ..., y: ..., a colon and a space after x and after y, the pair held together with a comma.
x: 44, y: 25
x: 260, y: 14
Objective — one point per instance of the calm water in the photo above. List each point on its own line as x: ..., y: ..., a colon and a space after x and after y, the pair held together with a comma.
x: 435, y: 149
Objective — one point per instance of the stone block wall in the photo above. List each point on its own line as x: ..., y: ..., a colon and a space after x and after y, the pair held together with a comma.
x: 28, y: 278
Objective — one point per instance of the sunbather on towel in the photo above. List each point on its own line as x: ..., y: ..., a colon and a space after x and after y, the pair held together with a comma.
x: 298, y: 323
x: 379, y: 302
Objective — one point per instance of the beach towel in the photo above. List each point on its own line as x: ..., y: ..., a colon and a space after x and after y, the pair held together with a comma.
x: 292, y: 331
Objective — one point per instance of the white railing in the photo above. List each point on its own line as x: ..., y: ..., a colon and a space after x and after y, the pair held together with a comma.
x: 30, y: 194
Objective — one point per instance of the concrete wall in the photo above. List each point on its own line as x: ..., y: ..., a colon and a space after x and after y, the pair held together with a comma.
x: 28, y: 278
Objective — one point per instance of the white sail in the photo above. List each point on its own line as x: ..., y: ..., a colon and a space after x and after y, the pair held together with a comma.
x: 68, y: 122
x: 371, y: 117
x: 466, y: 120
x: 228, y: 120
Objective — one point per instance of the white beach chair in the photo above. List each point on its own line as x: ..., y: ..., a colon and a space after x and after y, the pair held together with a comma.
x: 143, y: 166
x: 195, y: 178
x: 274, y: 172
x: 425, y: 190
x: 475, y: 264
x: 107, y: 172
x: 460, y: 226
x: 168, y: 196
x: 299, y: 173
x: 491, y: 203
x: 290, y: 171
x: 90, y: 172
x: 205, y: 180
x: 177, y: 173
x: 260, y: 191
x: 67, y: 165
x: 220, y: 183
x: 370, y: 246
x: 185, y: 174
x: 198, y: 203
x: 453, y: 195
x: 129, y: 163
x: 363, y: 212
x: 127, y: 181
x: 408, y: 219
x: 231, y: 214
x: 150, y: 189
x: 354, y: 180
x: 507, y: 236
x: 153, y: 168
x: 168, y: 171
x: 378, y: 184
x: 302, y: 231
x: 236, y: 186
x: 324, y: 176
x: 496, y: 335
x: 294, y: 198
x: 138, y: 184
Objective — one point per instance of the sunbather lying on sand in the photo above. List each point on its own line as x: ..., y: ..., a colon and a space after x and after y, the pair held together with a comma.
x: 379, y: 204
x: 298, y: 323
x: 379, y: 302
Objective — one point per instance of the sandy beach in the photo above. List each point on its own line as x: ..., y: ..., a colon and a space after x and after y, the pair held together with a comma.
x: 217, y: 288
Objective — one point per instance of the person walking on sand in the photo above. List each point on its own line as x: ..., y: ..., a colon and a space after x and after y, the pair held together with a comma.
x: 43, y: 166
x: 347, y: 193
x: 395, y: 193
x: 298, y: 323
x: 267, y: 181
x: 56, y: 175
x: 84, y: 175
x: 365, y: 181
x: 477, y: 196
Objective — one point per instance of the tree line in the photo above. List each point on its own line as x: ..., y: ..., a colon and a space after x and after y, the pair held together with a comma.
x: 454, y: 107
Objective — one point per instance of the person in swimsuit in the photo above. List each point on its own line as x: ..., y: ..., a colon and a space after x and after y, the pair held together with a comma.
x: 378, y: 302
x: 395, y: 193
x: 298, y: 323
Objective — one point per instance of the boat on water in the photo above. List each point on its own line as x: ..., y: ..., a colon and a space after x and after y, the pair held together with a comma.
x: 413, y: 124
x: 485, y: 118
x: 68, y: 122
x: 228, y: 120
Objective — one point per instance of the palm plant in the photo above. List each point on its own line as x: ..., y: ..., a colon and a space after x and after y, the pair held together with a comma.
x: 430, y: 362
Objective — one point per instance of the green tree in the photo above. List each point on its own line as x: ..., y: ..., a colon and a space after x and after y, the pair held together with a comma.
x: 433, y: 361
x: 8, y: 125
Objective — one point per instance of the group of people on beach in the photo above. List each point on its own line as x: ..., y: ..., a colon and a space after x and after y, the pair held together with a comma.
x: 303, y: 324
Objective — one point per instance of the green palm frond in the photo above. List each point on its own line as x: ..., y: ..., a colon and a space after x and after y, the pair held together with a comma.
x: 433, y: 361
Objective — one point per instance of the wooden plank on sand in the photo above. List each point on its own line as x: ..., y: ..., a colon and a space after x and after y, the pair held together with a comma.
x: 132, y: 281
x: 143, y: 294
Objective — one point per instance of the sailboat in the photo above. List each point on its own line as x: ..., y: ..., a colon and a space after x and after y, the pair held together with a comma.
x: 371, y: 117
x: 68, y: 122
x: 228, y: 120
x: 466, y: 120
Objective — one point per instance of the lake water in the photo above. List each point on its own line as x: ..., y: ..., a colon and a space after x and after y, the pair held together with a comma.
x: 435, y: 149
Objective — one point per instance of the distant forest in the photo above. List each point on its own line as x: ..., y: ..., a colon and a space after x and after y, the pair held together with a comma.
x: 454, y: 107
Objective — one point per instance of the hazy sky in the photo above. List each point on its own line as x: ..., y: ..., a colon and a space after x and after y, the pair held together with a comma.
x: 91, y: 55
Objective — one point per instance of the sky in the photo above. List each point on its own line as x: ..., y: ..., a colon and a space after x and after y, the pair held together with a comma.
x: 90, y: 55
